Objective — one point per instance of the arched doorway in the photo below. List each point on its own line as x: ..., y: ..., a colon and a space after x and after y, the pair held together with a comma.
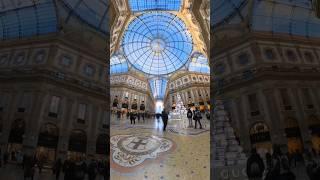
x: 314, y: 128
x: 77, y: 144
x: 16, y: 135
x: 102, y: 148
x: 293, y: 135
x: 47, y: 143
x: 260, y: 137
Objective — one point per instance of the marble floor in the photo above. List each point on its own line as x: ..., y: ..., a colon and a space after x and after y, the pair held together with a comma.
x: 144, y: 151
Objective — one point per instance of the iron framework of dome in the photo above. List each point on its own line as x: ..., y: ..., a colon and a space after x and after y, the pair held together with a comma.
x: 157, y: 43
x: 30, y: 18
x: 143, y: 5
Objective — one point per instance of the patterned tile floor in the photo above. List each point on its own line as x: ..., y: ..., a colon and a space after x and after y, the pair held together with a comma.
x: 144, y: 151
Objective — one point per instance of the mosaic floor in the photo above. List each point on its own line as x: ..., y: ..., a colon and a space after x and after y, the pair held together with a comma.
x: 144, y: 151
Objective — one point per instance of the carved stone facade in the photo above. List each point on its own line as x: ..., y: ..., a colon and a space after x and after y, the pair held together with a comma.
x: 194, y: 89
x: 53, y: 98
x: 271, y: 89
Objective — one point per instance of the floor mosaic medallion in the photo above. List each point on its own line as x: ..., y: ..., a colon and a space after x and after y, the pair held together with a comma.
x: 132, y: 150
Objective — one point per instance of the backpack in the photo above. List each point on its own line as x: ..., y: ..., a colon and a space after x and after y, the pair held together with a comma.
x: 198, y: 115
x: 255, y: 169
x: 189, y: 115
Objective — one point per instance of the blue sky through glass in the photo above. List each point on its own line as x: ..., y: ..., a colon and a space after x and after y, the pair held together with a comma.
x: 157, y: 43
x: 118, y: 64
x: 142, y: 5
x: 158, y: 87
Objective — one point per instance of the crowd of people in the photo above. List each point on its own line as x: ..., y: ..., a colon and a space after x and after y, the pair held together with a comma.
x: 70, y: 169
x: 279, y: 166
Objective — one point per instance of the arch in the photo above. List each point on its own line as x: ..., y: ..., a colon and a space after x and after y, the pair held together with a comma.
x: 292, y: 128
x: 102, y: 144
x: 17, y: 131
x: 48, y: 136
x: 259, y: 132
x: 78, y: 141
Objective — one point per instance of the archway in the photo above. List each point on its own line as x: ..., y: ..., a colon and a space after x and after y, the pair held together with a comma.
x: 16, y: 135
x: 102, y: 148
x: 293, y: 135
x: 314, y: 128
x: 77, y: 144
x: 47, y: 143
x: 260, y: 137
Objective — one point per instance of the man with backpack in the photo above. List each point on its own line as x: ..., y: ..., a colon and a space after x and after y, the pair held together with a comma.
x: 255, y: 166
x: 189, y: 116
x: 197, y: 117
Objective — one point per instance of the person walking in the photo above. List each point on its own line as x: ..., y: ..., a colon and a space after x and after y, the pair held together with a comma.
x: 68, y: 169
x: 132, y: 118
x: 57, y: 168
x: 197, y: 117
x: 164, y: 116
x: 280, y: 168
x: 80, y: 170
x: 189, y: 116
x: 255, y: 166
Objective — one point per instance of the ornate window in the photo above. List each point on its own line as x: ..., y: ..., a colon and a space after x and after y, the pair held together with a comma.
x: 54, y: 106
x: 243, y: 59
x: 309, y: 57
x: 82, y: 110
x: 269, y: 54
x: 66, y: 61
x: 291, y: 55
x: 220, y: 69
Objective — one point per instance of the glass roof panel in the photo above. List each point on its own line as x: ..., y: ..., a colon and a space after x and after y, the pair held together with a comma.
x: 222, y: 11
x: 294, y: 17
x: 157, y: 43
x: 29, y: 19
x: 92, y: 12
x: 118, y: 64
x: 143, y: 5
x: 199, y: 63
x: 158, y: 87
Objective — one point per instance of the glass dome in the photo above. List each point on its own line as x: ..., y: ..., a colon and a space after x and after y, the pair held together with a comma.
x: 118, y: 64
x: 142, y: 5
x: 222, y: 11
x: 27, y: 19
x: 92, y: 12
x: 199, y: 63
x: 157, y: 43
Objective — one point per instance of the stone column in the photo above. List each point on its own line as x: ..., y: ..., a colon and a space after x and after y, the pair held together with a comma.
x: 301, y: 118
x: 244, y: 131
x: 66, y: 128
x: 33, y: 123
x: 279, y: 135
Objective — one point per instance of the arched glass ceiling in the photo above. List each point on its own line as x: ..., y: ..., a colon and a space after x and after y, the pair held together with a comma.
x: 27, y: 19
x: 92, y: 12
x: 294, y: 17
x: 118, y: 64
x: 222, y: 11
x: 157, y: 43
x: 199, y: 63
x: 142, y: 5
x: 158, y: 87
